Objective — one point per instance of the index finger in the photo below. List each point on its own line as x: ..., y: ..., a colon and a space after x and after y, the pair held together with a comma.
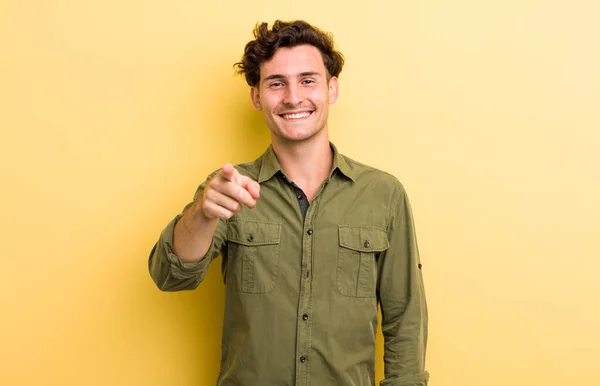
x: 228, y: 172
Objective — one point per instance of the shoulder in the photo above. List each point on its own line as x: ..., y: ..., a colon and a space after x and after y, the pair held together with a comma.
x: 252, y: 168
x: 366, y: 175
x: 249, y: 169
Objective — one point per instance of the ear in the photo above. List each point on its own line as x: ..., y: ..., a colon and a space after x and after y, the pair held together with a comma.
x: 255, y: 96
x: 333, y: 90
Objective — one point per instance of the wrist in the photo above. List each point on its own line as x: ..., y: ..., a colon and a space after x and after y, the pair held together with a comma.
x: 196, y: 215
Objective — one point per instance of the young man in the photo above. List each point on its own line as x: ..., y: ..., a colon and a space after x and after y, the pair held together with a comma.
x: 311, y: 240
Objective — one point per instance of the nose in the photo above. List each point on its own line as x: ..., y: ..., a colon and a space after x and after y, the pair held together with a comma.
x: 293, y: 95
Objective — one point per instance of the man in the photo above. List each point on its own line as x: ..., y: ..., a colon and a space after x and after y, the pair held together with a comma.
x: 311, y: 240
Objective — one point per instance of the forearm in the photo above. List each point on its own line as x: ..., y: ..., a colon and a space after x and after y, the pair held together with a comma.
x: 187, y: 245
x: 403, y: 303
x: 168, y: 271
x: 404, y: 328
x: 193, y: 235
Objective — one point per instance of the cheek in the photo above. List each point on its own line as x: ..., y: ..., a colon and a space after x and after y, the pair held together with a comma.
x: 320, y: 96
x: 271, y: 102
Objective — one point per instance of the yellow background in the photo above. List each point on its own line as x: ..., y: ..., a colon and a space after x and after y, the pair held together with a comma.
x: 112, y: 112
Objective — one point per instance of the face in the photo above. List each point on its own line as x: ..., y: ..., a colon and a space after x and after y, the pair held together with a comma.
x: 294, y: 94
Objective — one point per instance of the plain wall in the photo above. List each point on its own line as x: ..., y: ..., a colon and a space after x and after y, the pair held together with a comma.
x: 112, y: 112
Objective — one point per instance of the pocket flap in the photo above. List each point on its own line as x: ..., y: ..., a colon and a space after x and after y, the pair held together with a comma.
x: 253, y: 232
x: 363, y: 239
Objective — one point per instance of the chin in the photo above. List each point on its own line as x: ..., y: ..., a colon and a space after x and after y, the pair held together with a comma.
x: 299, y: 136
x: 294, y: 133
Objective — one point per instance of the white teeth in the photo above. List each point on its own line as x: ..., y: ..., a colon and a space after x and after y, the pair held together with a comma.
x: 296, y: 116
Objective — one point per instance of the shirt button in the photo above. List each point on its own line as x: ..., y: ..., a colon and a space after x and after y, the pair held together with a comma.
x: 250, y: 238
x: 302, y: 359
x: 310, y: 232
x: 367, y: 244
x: 305, y: 317
x: 299, y: 196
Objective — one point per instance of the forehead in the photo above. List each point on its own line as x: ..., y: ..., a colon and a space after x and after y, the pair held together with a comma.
x: 291, y: 61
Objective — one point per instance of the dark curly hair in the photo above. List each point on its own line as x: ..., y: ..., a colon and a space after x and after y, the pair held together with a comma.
x: 286, y: 34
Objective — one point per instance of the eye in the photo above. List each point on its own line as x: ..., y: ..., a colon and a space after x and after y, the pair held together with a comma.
x: 276, y: 84
x: 308, y: 81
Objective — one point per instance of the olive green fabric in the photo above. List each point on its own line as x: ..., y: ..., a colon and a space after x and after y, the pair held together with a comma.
x: 302, y: 295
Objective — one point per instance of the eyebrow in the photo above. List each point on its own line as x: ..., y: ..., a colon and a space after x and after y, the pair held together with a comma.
x: 280, y: 76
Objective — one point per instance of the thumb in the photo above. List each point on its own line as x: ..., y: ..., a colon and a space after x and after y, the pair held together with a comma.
x: 252, y: 187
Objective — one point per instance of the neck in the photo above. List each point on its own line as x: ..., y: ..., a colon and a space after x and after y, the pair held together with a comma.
x: 307, y: 163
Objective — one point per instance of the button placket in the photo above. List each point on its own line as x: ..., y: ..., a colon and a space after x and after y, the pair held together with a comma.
x: 303, y: 343
x: 304, y: 321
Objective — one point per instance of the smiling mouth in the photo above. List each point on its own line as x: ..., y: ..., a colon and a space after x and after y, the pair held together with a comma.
x: 296, y: 116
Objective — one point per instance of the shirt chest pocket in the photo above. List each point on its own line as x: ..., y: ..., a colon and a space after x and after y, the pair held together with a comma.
x: 253, y: 255
x: 356, y: 264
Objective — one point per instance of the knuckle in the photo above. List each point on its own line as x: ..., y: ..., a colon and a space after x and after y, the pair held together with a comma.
x: 219, y: 189
x: 208, y: 211
x: 209, y: 188
x: 241, y: 195
x: 209, y: 195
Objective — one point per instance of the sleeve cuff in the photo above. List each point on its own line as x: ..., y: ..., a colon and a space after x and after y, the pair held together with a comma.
x: 179, y: 268
x: 420, y: 379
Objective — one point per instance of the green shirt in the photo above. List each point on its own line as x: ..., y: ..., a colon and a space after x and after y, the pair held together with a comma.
x: 302, y: 294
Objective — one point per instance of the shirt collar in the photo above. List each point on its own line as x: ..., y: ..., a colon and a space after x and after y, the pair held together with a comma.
x: 270, y: 165
x: 340, y: 163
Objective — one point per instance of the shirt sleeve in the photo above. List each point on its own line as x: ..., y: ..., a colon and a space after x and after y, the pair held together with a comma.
x: 168, y: 271
x: 402, y: 298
